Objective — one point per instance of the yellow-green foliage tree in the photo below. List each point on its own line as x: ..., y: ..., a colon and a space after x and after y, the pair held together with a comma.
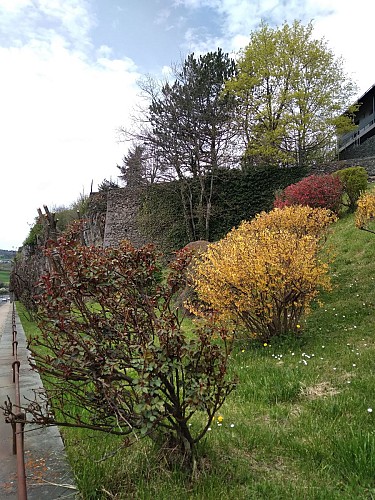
x: 292, y: 93
x: 365, y: 214
x: 264, y: 274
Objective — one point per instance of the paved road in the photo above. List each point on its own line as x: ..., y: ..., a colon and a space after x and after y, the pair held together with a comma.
x: 48, y: 474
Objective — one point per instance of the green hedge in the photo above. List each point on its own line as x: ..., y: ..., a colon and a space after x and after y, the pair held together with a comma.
x: 354, y: 181
x: 237, y: 195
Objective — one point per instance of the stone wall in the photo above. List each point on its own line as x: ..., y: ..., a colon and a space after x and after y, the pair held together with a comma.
x: 96, y: 217
x: 368, y: 163
x: 362, y: 151
x: 122, y: 207
x: 121, y: 218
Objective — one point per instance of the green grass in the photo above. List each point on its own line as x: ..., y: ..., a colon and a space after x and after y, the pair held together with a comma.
x: 297, y: 426
x: 4, y: 276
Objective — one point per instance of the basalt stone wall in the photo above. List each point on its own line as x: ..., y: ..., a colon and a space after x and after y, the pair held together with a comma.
x: 123, y: 206
x: 362, y: 151
x: 368, y: 163
x: 96, y: 219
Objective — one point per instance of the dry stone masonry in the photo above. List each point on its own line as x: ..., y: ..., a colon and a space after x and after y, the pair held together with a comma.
x: 123, y: 206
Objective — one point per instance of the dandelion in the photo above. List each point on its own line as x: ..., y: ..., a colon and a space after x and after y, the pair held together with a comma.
x: 243, y: 350
x: 265, y: 344
x: 220, y: 419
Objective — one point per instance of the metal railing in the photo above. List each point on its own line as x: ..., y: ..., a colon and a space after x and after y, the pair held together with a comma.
x: 351, y: 137
x: 18, y: 418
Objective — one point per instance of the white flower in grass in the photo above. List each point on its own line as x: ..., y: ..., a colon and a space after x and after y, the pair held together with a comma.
x: 232, y: 425
x: 369, y: 410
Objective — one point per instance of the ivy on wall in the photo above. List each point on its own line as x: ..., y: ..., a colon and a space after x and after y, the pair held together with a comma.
x: 238, y: 195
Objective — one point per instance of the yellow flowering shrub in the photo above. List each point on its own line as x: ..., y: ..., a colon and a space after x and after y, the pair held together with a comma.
x: 365, y: 213
x: 297, y: 219
x: 266, y: 273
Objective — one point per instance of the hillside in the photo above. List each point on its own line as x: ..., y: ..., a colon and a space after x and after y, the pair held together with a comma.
x: 299, y: 425
x: 7, y: 254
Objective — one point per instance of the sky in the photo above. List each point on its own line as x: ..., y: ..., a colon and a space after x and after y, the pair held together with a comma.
x: 70, y: 71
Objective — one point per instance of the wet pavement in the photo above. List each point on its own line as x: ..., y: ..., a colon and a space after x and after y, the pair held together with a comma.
x: 48, y: 475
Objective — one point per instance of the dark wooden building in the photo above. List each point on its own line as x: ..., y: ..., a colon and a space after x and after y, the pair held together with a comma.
x: 360, y: 142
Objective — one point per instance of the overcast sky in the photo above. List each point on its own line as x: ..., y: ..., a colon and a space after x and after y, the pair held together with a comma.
x: 69, y: 72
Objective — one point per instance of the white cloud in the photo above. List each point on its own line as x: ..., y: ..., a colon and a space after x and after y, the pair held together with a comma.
x: 349, y: 33
x: 14, y: 6
x: 166, y: 71
x: 60, y: 106
x: 347, y: 30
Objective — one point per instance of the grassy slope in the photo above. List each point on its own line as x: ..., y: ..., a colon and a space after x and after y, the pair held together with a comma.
x: 302, y: 428
x: 4, y: 276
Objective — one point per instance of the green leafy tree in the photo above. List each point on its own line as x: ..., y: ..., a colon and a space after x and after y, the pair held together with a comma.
x: 292, y: 94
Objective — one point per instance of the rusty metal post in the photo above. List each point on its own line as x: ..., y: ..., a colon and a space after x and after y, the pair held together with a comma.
x: 18, y: 421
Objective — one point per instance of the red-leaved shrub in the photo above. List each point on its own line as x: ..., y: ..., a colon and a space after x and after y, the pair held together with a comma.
x: 323, y: 191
